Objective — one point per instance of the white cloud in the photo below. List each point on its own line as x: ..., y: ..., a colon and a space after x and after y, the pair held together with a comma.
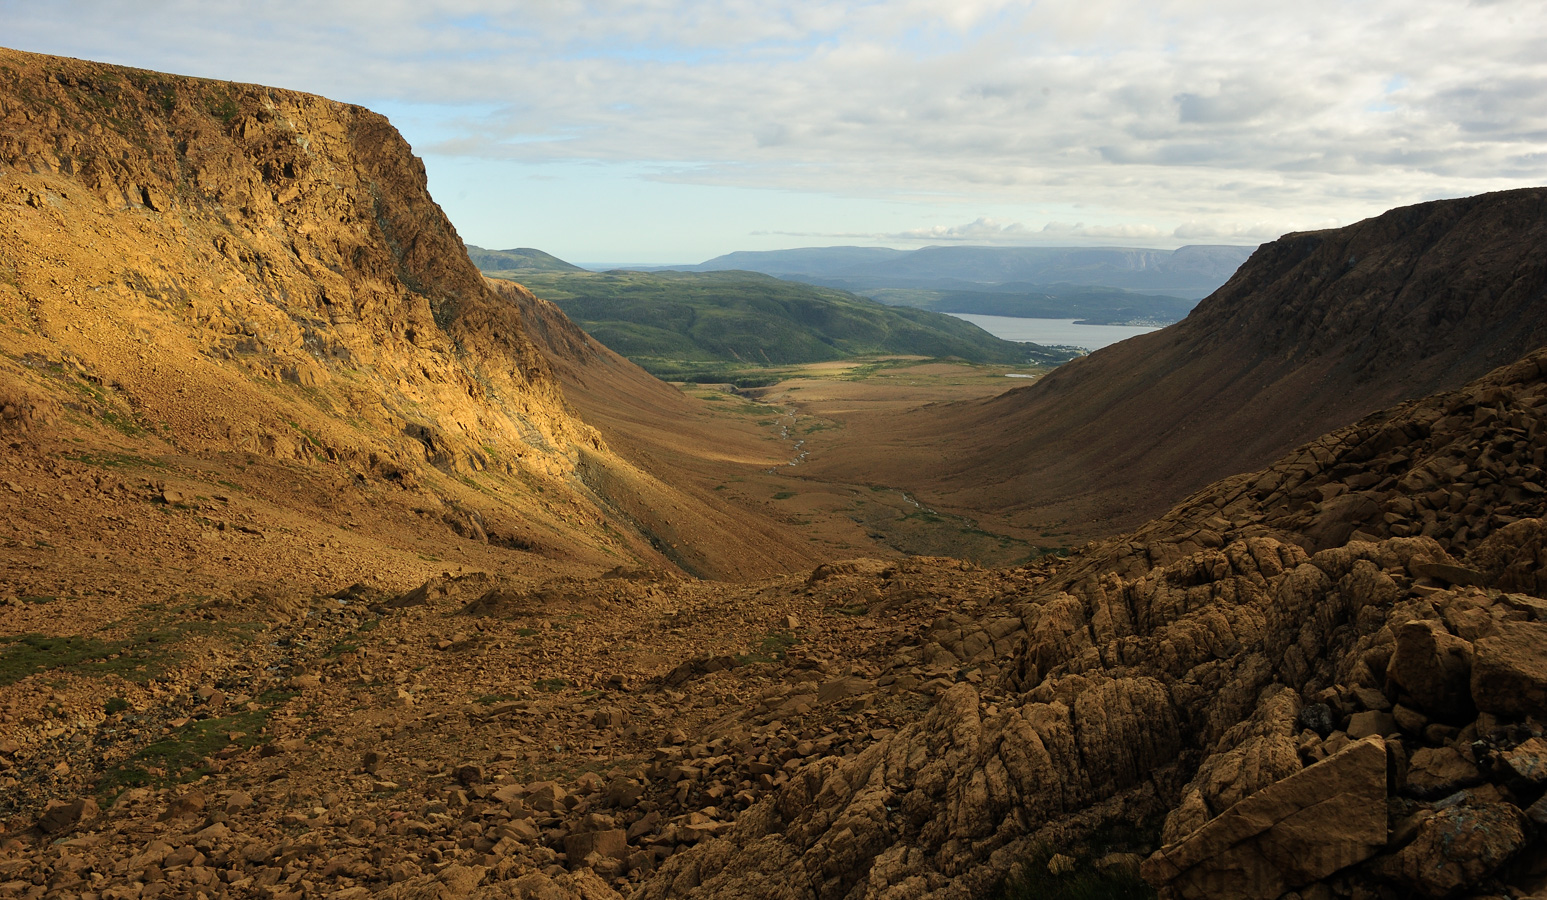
x: 1194, y: 119
x: 985, y: 230
x: 1236, y: 232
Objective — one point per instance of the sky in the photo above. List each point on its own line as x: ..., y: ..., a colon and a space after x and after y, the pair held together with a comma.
x: 659, y: 131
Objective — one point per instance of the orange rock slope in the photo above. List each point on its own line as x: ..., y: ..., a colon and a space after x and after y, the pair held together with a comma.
x: 248, y: 276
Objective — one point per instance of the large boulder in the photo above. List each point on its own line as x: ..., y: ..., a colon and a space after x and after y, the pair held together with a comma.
x: 1457, y: 847
x: 1293, y: 832
x: 61, y: 815
x: 1509, y: 671
x: 1429, y: 670
x: 1439, y: 771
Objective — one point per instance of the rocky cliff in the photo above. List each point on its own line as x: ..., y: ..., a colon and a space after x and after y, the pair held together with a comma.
x: 208, y: 231
x: 1313, y: 332
x: 198, y: 270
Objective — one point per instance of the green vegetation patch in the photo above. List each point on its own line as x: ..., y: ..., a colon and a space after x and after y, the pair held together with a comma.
x: 551, y: 685
x: 115, y: 460
x: 120, y: 423
x: 848, y: 610
x: 179, y: 757
x: 30, y: 654
x: 773, y: 648
x: 1046, y: 875
x: 220, y: 104
x: 147, y: 654
x: 517, y: 263
x: 712, y: 327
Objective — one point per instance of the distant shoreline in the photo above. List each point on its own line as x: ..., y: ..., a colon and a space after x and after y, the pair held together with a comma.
x: 1055, y: 332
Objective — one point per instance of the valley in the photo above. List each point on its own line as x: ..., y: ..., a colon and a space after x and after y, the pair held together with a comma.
x: 333, y: 567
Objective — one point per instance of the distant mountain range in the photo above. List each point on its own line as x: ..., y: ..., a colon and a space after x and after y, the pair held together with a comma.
x: 1093, y: 285
x: 1191, y: 272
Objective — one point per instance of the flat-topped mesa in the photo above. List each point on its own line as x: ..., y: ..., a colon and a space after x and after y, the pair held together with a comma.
x: 195, y: 244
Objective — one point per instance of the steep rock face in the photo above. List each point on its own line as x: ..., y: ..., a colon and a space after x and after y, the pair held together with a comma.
x: 1313, y: 332
x: 194, y: 269
x: 1203, y: 669
x: 250, y: 266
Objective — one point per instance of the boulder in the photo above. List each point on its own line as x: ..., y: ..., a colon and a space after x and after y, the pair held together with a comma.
x: 1529, y: 760
x: 452, y: 882
x: 1429, y: 670
x: 611, y: 843
x: 1293, y: 832
x: 1509, y: 671
x: 1371, y: 723
x: 842, y: 688
x: 60, y: 815
x: 1438, y: 772
x: 1457, y: 847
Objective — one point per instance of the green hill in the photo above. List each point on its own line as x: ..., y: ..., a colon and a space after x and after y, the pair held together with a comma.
x: 702, y: 326
x: 517, y: 262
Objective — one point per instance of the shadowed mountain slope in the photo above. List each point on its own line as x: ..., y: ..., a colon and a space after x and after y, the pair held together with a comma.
x: 1315, y: 331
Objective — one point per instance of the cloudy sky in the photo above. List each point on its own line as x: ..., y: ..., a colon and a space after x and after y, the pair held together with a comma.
x: 660, y: 131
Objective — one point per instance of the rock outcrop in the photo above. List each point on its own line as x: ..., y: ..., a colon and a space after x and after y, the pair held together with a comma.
x: 1243, y: 667
x: 1291, y: 833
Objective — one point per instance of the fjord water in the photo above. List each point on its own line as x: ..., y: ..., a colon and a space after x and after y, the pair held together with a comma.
x: 1055, y: 332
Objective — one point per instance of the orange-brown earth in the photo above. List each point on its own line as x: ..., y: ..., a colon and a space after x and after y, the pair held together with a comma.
x: 332, y: 570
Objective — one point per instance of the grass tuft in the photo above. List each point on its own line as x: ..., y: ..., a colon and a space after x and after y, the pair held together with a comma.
x: 1077, y: 878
